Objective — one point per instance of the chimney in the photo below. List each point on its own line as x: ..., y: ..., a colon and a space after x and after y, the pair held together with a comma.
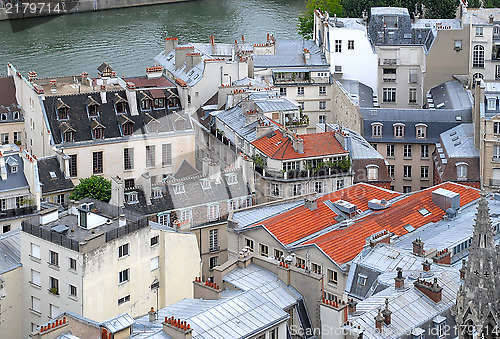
x: 432, y: 290
x: 492, y: 18
x: 144, y: 181
x: 307, y: 54
x: 242, y: 38
x: 131, y: 98
x: 311, y: 203
x: 206, y: 290
x: 3, y: 168
x: 53, y: 329
x: 463, y: 269
x: 399, y: 281
x: 154, y: 72
x: 263, y: 128
x: 53, y: 86
x: 442, y: 257
x: 387, y: 313
x: 351, y: 306
x: 180, y: 55
x: 212, y: 42
x: 117, y: 191
x: 214, y: 171
x: 205, y: 166
x: 170, y: 45
x: 32, y: 76
x: 479, y: 88
x: 382, y: 237
x: 297, y: 143
x: 122, y: 221
x: 418, y: 247
x: 379, y: 320
x: 151, y: 315
x: 426, y: 266
x: 192, y: 59
x: 177, y: 329
x: 103, y: 94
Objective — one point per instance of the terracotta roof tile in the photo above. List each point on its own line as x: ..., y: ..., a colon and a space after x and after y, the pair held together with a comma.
x: 279, y: 146
x: 344, y: 245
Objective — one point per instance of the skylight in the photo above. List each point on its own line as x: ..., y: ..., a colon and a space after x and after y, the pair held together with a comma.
x: 53, y: 174
x: 424, y: 212
x: 409, y: 228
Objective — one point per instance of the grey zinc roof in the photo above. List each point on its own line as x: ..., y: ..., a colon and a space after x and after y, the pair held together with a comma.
x: 118, y: 323
x: 359, y: 93
x: 256, y: 214
x: 15, y: 180
x: 389, y: 11
x: 451, y: 95
x: 450, y: 24
x: 276, y: 104
x: 264, y: 283
x: 290, y: 53
x: 410, y: 307
x: 241, y: 316
x: 10, y: 250
x: 458, y: 142
x: 68, y: 335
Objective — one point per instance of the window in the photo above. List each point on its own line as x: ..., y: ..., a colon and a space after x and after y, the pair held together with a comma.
x: 72, y: 264
x: 390, y: 151
x: 406, y: 189
x: 72, y: 166
x: 69, y: 136
x: 283, y: 91
x: 424, y: 172
x: 72, y: 291
x: 316, y: 268
x: 338, y: 68
x: 273, y: 334
x: 54, y: 311
x: 214, y: 240
x: 496, y: 127
x: 389, y: 95
x: 59, y: 199
x: 205, y: 184
x: 372, y: 172
x: 387, y: 71
x: 120, y: 107
x: 35, y: 304
x: 156, y: 191
x: 275, y: 189
x: 301, y: 262
x: 322, y: 105
x: 377, y: 130
x: 123, y: 250
x: 492, y: 104
x: 390, y: 170
x: 186, y: 215
x: 53, y: 258
x: 166, y: 154
x: 399, y: 130
x: 332, y: 277
x: 128, y: 128
x: 407, y: 171
x: 407, y: 150
x: 338, y: 46
x: 132, y: 197
x: 318, y: 186
x: 53, y: 285
x: 296, y: 189
x: 213, y: 212
x: 97, y: 162
x: 231, y: 179
x: 232, y: 205
x: 322, y: 90
x: 35, y: 278
x: 461, y: 171
x: 479, y: 31
x: 249, y: 244
x: 179, y: 188
x: 160, y: 103
x: 300, y: 90
x: 322, y: 119
x: 17, y: 137
x: 412, y: 76
x: 278, y: 253
x: 340, y: 184
x: 124, y: 299
x: 128, y: 159
x: 264, y: 250
x: 5, y: 228
x: 150, y: 156
x: 62, y: 113
x: 362, y: 279
x: 458, y: 45
x: 424, y: 151
x: 155, y: 240
x: 412, y: 96
x: 155, y: 263
x: 478, y: 56
x: 5, y: 138
x: 301, y: 104
x: 497, y: 76
x: 35, y: 251
x: 123, y: 276
x: 421, y: 131
x: 164, y: 219
x: 214, y: 261
x: 350, y: 44
x: 146, y: 104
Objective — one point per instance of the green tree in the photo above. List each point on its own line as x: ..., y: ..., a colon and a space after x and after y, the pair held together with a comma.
x: 94, y: 187
x: 355, y: 8
x: 305, y: 26
x: 441, y: 9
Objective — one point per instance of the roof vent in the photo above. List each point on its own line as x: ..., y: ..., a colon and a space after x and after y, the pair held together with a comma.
x: 446, y: 199
x: 345, y: 206
x: 451, y: 213
x: 376, y: 204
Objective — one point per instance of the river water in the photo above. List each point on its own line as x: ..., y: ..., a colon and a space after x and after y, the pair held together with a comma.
x: 129, y: 38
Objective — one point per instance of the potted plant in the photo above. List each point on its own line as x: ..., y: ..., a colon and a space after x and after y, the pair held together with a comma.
x: 54, y: 290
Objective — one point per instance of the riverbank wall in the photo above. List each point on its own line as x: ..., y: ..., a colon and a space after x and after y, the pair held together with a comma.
x: 27, y: 9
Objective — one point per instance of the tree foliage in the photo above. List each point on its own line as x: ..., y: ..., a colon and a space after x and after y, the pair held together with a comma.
x: 355, y: 8
x: 441, y: 9
x: 93, y: 187
x: 306, y: 19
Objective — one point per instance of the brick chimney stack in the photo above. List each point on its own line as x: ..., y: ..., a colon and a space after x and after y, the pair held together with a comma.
x: 399, y: 281
x: 351, y: 306
x: 442, y: 257
x: 387, y: 313
x: 432, y: 290
x: 379, y: 320
x: 426, y: 266
x: 418, y: 247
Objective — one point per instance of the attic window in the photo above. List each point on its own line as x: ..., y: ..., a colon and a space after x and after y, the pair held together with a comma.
x: 62, y: 113
x: 13, y: 169
x: 128, y: 128
x: 99, y: 133
x: 53, y: 175
x: 157, y: 193
x: 391, y: 21
x: 146, y: 104
x: 69, y: 136
x: 132, y: 197
x: 120, y: 107
x: 4, y: 116
x: 205, y: 184
x: 93, y: 110
x: 362, y: 279
x: 424, y: 212
x: 409, y: 228
x: 16, y: 115
x: 232, y: 179
x: 179, y: 188
x: 160, y: 103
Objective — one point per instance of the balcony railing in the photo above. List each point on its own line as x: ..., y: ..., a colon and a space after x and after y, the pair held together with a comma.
x: 303, y: 174
x: 495, y: 182
x: 17, y: 212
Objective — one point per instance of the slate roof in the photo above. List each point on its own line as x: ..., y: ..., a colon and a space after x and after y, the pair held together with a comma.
x: 80, y: 121
x: 8, y: 101
x: 451, y: 95
x: 290, y: 53
x: 359, y: 93
x: 10, y: 250
x: 15, y: 180
x: 51, y: 184
x: 278, y: 146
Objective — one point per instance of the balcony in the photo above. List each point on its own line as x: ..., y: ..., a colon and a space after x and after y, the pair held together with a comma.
x: 15, y: 212
x: 302, y: 121
x: 494, y: 182
x: 322, y: 171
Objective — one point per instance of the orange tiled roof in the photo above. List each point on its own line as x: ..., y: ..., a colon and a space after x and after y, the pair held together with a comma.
x: 280, y: 146
x: 344, y: 245
x: 288, y: 227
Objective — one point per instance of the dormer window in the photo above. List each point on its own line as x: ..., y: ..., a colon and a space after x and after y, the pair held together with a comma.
x: 128, y: 128
x: 13, y: 169
x: 146, y: 104
x: 399, y: 130
x: 377, y: 130
x: 62, y: 110
x: 232, y: 179
x: 132, y: 197
x: 160, y: 103
x: 120, y: 108
x: 69, y: 136
x: 3, y: 116
x: 16, y: 115
x: 93, y: 110
x: 179, y: 188
x: 421, y: 131
x: 372, y: 172
x: 461, y: 170
x: 492, y: 104
x: 157, y: 193
x: 152, y: 125
x: 99, y: 133
x: 390, y: 21
x: 205, y: 184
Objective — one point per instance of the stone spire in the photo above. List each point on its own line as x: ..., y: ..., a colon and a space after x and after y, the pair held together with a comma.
x: 478, y: 295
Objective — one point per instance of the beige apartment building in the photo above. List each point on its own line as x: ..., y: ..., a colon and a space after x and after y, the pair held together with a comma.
x: 92, y: 261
